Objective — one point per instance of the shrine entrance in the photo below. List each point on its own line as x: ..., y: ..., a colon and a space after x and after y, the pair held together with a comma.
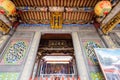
x: 55, y: 57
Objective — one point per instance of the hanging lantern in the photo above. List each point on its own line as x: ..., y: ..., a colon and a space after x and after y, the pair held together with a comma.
x: 7, y: 7
x: 102, y: 8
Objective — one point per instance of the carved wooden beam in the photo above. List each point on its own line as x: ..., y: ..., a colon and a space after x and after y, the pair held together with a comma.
x: 111, y: 24
x: 113, y: 12
x: 4, y: 28
x: 58, y: 9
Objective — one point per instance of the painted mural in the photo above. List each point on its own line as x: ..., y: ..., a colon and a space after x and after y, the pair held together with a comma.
x: 9, y: 75
x: 96, y: 76
x: 94, y: 69
x: 109, y: 60
x: 15, y: 52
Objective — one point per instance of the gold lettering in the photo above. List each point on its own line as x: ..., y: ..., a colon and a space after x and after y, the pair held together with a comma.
x: 111, y: 24
x: 3, y: 27
x: 56, y: 20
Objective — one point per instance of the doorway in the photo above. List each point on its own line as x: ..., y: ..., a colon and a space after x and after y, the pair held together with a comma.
x: 55, y: 57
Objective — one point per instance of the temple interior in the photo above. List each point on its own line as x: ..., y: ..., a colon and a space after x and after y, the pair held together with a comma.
x: 59, y: 39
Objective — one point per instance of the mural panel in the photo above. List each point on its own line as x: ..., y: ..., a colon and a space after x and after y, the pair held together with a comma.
x: 109, y: 60
x: 94, y: 70
x: 9, y: 75
x: 15, y: 52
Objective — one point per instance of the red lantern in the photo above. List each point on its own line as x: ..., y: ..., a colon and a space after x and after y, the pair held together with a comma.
x: 7, y: 7
x: 102, y: 8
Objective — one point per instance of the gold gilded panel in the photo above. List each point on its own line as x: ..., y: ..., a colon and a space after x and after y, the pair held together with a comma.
x: 56, y: 20
x: 3, y: 27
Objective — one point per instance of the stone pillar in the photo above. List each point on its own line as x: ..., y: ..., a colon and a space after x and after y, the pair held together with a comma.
x: 5, y: 20
x: 81, y: 67
x: 31, y: 57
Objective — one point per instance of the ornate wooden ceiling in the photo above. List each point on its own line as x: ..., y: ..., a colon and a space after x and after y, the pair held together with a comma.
x: 79, y: 15
x: 44, y: 17
x: 46, y: 3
